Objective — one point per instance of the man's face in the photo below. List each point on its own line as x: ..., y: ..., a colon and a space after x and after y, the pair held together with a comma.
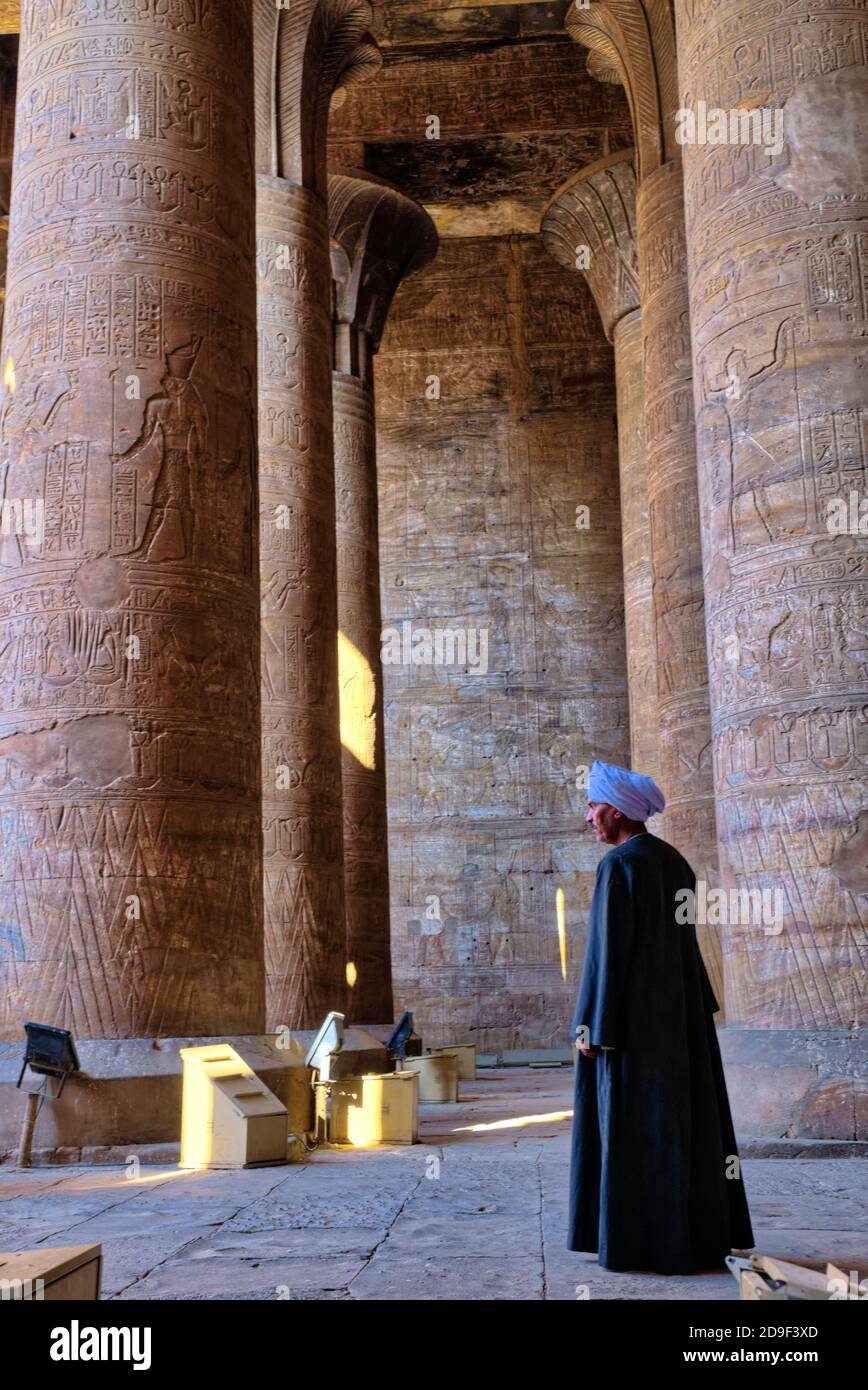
x: 605, y: 821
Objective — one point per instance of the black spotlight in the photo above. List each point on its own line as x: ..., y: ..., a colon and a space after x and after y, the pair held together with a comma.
x: 402, y: 1034
x: 49, y: 1052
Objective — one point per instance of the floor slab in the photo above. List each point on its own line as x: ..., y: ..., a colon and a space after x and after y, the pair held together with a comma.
x: 476, y: 1211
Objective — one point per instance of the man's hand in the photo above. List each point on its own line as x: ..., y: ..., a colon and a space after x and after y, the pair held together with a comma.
x: 586, y: 1049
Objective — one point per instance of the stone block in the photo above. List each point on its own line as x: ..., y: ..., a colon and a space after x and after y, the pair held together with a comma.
x: 128, y: 1094
x: 796, y: 1084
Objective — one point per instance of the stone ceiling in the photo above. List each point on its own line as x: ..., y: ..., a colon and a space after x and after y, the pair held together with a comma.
x: 518, y: 111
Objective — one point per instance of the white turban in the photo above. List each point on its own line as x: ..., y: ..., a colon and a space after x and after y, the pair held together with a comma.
x: 632, y: 793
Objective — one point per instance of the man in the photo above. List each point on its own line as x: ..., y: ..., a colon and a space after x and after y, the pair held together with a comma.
x: 655, y: 1182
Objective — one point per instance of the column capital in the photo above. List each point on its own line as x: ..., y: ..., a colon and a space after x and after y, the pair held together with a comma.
x: 378, y: 236
x: 302, y: 56
x: 603, y: 68
x: 636, y: 39
x: 596, y: 209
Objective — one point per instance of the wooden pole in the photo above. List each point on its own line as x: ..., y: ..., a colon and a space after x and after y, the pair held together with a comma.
x: 26, y: 1141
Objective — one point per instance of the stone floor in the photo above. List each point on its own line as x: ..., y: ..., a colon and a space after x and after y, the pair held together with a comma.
x: 476, y: 1211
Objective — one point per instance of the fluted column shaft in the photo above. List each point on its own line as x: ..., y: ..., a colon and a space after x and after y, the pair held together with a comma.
x: 130, y: 839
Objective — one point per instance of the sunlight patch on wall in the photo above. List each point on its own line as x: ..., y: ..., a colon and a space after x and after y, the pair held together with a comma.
x: 358, y: 697
x: 562, y: 930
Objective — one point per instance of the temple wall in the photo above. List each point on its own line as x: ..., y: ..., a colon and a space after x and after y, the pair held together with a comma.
x: 478, y: 529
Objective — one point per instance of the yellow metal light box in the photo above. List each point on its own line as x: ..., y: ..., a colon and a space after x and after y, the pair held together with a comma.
x: 466, y: 1054
x: 375, y: 1109
x: 229, y: 1119
x: 438, y: 1076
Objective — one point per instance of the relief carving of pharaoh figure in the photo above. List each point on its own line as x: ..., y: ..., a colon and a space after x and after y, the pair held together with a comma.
x: 758, y: 469
x: 167, y: 463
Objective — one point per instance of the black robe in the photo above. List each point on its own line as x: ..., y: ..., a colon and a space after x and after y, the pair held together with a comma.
x: 652, y: 1131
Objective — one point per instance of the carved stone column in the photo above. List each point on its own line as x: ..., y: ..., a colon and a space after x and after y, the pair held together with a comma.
x: 640, y: 618
x: 301, y: 54
x: 637, y: 38
x: 379, y: 237
x: 590, y: 225
x: 130, y: 841
x: 8, y: 83
x: 676, y: 556
x: 776, y: 224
